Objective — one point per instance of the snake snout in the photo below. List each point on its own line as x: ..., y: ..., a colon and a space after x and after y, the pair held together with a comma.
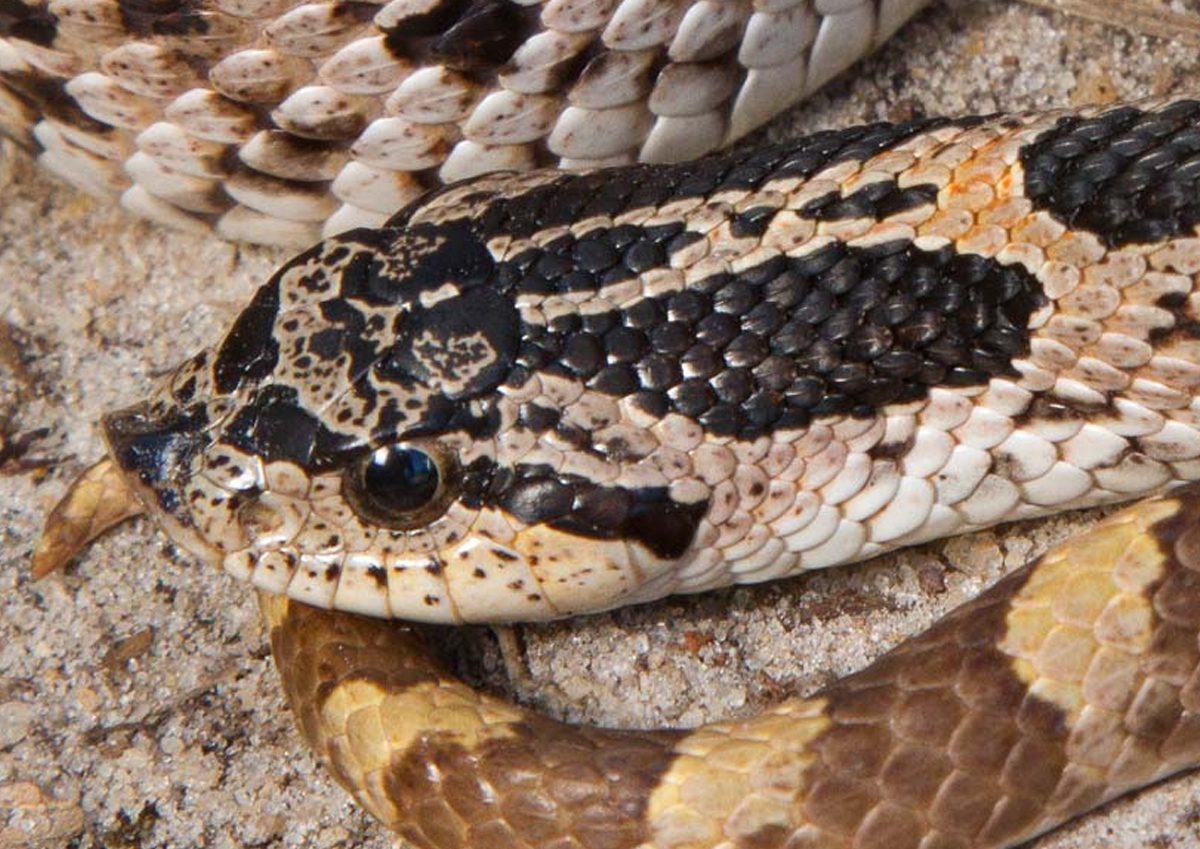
x: 154, y: 446
x: 153, y: 443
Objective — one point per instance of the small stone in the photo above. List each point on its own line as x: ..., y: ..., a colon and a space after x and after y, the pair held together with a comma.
x: 129, y: 648
x: 16, y: 719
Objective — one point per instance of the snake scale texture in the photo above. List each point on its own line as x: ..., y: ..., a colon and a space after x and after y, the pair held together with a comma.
x: 277, y: 120
x: 537, y: 394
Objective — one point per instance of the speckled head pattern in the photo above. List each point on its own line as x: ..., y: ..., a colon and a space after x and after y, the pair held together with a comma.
x: 541, y: 394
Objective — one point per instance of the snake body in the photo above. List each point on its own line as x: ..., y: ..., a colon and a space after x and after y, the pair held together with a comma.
x: 276, y: 120
x: 606, y: 387
x: 1068, y: 683
x: 674, y: 378
x: 539, y: 394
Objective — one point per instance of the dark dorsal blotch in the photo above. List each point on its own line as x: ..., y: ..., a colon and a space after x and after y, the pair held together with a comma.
x: 473, y: 36
x: 249, y: 351
x: 464, y: 346
x: 146, y: 18
x: 1127, y: 175
x: 33, y: 23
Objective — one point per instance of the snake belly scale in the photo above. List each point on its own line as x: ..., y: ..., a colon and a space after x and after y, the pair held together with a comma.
x: 540, y: 394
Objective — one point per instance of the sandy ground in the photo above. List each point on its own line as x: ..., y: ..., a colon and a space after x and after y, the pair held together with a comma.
x: 138, y: 704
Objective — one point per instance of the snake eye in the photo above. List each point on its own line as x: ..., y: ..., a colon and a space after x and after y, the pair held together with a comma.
x: 400, y: 486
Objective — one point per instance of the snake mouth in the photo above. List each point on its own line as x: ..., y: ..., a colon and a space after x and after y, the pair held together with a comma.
x: 154, y: 448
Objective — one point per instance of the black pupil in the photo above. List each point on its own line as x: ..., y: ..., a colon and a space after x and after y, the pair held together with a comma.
x: 400, y: 479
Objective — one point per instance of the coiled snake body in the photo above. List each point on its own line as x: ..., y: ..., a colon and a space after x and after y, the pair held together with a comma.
x: 534, y: 395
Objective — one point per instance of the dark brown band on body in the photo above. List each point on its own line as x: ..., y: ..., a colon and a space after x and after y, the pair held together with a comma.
x: 1167, y: 713
x: 543, y: 783
x: 941, y: 734
x: 941, y: 740
x: 549, y: 784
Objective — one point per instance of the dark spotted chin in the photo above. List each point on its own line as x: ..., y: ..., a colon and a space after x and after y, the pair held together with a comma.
x: 154, y: 449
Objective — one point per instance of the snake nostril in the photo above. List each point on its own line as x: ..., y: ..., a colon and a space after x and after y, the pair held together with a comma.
x: 155, y: 445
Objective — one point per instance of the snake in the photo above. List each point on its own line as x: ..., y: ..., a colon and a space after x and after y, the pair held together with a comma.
x: 538, y: 394
x: 279, y: 121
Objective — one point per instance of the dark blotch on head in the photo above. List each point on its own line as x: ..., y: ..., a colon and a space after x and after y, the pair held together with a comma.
x: 325, y: 344
x: 365, y: 277
x: 465, y: 345
x: 538, y: 495
x: 249, y: 351
x: 274, y: 426
x: 456, y: 255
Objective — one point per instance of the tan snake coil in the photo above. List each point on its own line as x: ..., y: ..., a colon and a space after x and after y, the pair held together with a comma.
x: 278, y: 120
x: 1063, y: 687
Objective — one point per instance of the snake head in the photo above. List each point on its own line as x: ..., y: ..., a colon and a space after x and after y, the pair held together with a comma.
x: 375, y: 433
